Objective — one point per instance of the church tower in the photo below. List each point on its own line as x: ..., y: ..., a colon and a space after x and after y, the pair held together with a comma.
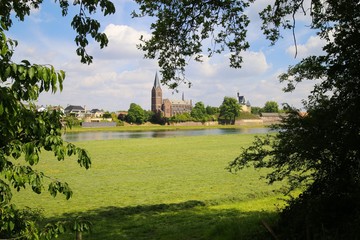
x: 156, y: 95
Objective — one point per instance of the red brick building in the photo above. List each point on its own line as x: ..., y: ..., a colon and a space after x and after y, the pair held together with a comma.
x: 168, y: 107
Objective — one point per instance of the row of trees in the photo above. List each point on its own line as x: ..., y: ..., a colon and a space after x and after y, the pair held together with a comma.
x: 136, y: 114
x: 269, y: 107
x: 228, y: 111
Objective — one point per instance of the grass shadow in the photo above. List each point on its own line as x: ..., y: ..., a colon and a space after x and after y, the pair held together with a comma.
x: 177, y: 221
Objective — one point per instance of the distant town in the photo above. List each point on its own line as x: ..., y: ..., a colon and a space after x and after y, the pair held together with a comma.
x: 237, y: 110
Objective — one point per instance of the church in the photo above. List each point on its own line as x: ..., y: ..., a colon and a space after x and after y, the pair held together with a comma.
x: 168, y: 107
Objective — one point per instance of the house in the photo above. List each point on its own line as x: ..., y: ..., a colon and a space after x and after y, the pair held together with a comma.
x: 76, y: 111
x: 96, y: 113
x: 50, y: 108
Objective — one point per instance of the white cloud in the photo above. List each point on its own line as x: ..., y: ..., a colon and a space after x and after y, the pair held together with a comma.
x: 255, y: 63
x: 313, y: 46
x: 217, y: 68
x: 122, y: 43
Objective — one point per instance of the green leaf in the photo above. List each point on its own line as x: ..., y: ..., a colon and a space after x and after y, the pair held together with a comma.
x: 21, y: 68
x: 7, y: 72
x: 36, y: 189
x: 45, y: 76
x: 61, y: 228
x: 62, y: 74
x: 4, y: 50
x: 53, y: 188
x: 14, y: 67
x: 11, y: 225
x: 1, y: 108
x: 53, y: 82
x: 33, y: 158
x: 27, y: 63
x: 31, y: 72
x: 39, y: 70
x: 61, y: 78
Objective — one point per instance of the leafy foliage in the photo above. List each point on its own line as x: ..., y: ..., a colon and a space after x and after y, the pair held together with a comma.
x: 271, y: 107
x: 136, y: 114
x: 155, y: 117
x: 82, y: 23
x: 198, y: 111
x: 229, y: 109
x: 25, y: 131
x: 256, y: 110
x: 182, y: 117
x: 180, y: 28
x: 318, y: 151
x: 200, y: 114
x: 212, y: 110
x: 107, y: 114
x: 72, y: 121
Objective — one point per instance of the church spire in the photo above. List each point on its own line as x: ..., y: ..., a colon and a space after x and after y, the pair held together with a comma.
x: 156, y: 95
x: 156, y: 81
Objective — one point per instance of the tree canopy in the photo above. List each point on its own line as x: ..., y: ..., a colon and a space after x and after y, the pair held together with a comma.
x: 83, y: 23
x: 26, y: 132
x: 271, y: 107
x: 229, y: 109
x: 136, y: 114
x: 211, y: 110
x: 318, y: 151
x: 180, y: 27
x: 198, y: 112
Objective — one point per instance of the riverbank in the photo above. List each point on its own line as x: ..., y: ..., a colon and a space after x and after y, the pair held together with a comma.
x: 107, y: 135
x: 156, y: 127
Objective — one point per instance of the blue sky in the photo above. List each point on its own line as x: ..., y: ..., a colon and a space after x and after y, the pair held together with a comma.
x: 120, y: 75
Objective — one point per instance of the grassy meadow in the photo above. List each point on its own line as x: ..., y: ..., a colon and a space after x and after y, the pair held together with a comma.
x: 161, y: 188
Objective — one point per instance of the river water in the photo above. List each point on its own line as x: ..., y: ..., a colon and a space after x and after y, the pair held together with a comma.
x: 89, y: 136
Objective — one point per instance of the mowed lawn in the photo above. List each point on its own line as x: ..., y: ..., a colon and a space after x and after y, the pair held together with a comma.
x: 161, y: 188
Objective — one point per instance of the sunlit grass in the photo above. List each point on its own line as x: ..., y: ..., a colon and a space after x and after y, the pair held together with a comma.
x: 162, y: 188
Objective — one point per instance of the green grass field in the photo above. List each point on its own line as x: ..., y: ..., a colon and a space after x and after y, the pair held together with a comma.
x: 162, y: 188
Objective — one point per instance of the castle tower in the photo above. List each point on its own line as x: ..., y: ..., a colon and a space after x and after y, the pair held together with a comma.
x: 156, y: 95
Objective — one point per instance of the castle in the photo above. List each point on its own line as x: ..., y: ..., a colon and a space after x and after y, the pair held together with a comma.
x: 245, y: 105
x: 168, y: 107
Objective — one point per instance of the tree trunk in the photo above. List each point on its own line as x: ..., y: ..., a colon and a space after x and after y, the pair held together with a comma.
x: 78, y: 235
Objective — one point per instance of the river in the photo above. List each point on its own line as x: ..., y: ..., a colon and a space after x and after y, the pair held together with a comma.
x: 104, y: 135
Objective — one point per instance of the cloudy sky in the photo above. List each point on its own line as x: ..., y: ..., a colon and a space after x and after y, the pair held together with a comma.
x: 120, y: 75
